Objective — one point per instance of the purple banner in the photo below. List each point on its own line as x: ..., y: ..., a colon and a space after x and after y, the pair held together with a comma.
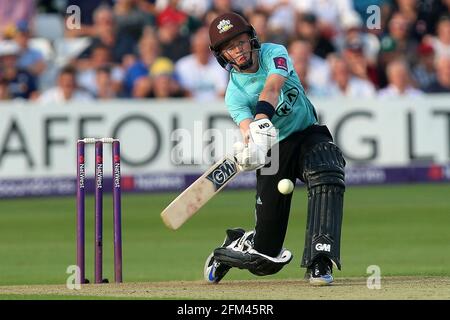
x: 355, y: 175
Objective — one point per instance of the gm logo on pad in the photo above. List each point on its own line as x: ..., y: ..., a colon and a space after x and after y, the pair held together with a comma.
x: 323, y: 247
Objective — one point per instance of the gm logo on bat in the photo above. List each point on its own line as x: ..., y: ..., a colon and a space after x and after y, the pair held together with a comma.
x: 222, y: 173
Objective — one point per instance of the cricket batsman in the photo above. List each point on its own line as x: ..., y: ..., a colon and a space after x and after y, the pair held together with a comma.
x: 266, y: 100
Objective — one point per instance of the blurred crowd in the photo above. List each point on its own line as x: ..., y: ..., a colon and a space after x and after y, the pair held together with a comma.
x: 51, y: 51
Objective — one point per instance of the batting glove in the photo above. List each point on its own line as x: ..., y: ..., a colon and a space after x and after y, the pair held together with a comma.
x: 249, y: 157
x: 263, y: 134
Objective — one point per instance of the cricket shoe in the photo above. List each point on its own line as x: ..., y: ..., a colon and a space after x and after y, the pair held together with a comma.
x: 321, y: 272
x: 214, y: 271
x: 241, y: 254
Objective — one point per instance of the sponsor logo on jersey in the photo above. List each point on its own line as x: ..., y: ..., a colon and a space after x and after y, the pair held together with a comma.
x: 280, y: 63
x: 289, y: 99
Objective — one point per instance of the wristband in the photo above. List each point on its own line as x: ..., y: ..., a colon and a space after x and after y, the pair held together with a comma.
x: 265, y: 108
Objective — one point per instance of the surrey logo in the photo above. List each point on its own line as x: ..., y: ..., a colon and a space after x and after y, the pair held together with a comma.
x: 224, y: 26
x: 280, y: 63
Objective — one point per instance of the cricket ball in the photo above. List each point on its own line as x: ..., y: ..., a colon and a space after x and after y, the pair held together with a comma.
x: 285, y: 186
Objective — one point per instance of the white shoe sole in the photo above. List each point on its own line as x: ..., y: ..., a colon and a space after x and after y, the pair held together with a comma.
x: 207, y: 270
x: 321, y: 281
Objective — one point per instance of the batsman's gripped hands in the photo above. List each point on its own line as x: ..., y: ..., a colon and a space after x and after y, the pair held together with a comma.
x: 262, y: 136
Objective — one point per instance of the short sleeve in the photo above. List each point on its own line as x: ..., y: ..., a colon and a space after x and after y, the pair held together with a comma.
x: 237, y: 106
x: 277, y: 60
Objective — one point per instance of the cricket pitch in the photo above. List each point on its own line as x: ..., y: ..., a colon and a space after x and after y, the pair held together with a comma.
x: 392, y: 288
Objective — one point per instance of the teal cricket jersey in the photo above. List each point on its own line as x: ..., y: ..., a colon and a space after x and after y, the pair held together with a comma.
x: 294, y: 111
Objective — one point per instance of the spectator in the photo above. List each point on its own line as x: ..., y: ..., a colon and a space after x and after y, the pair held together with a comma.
x: 424, y: 73
x: 159, y: 82
x: 130, y: 20
x: 173, y: 44
x: 353, y: 27
x: 415, y: 15
x: 223, y: 6
x: 396, y: 45
x: 21, y: 84
x: 164, y: 84
x: 329, y: 13
x: 258, y: 19
x: 142, y: 87
x: 148, y: 6
x: 199, y: 73
x: 30, y: 59
x: 397, y: 42
x: 66, y: 89
x: 246, y: 7
x: 357, y: 62
x: 105, y: 34
x: 442, y: 82
x: 441, y: 43
x: 88, y: 9
x: 209, y: 17
x: 433, y: 11
x: 347, y: 85
x: 281, y: 18
x: 149, y: 50
x: 104, y: 84
x: 194, y: 8
x: 399, y: 81
x: 104, y: 20
x: 319, y: 75
x: 4, y: 90
x: 308, y: 29
x: 302, y: 69
x: 88, y: 69
x: 219, y: 7
x: 11, y: 12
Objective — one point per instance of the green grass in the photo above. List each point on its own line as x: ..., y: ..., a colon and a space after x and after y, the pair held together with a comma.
x: 402, y: 229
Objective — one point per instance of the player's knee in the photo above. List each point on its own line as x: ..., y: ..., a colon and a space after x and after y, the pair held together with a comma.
x: 324, y: 165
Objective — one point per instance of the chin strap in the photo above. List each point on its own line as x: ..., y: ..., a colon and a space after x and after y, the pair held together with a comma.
x: 246, y: 65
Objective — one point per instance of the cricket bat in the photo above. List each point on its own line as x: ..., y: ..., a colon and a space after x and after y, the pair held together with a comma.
x: 200, y: 192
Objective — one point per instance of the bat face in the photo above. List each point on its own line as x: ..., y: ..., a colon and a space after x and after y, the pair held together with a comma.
x: 200, y: 192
